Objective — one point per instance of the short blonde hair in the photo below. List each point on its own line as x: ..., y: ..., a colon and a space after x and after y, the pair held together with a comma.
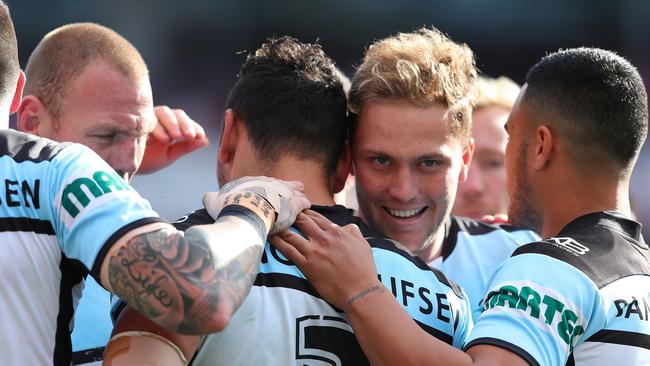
x: 423, y: 68
x: 500, y: 92
x: 63, y: 53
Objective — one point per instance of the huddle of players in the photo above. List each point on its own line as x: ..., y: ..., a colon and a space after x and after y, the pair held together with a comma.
x: 556, y: 301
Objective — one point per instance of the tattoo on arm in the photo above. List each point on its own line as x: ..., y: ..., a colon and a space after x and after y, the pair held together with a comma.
x: 366, y: 292
x: 172, y: 278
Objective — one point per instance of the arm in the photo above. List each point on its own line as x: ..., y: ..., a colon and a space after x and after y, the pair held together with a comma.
x: 192, y: 282
x: 339, y: 263
x: 137, y: 340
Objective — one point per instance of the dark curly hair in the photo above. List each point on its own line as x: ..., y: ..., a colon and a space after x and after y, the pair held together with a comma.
x: 291, y: 100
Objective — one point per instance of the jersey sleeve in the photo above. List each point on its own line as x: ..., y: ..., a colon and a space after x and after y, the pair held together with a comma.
x: 91, y: 207
x: 538, y: 307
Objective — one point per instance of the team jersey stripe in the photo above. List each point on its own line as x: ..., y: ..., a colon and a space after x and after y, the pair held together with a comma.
x: 88, y: 356
x: 505, y: 345
x: 26, y: 224
x: 285, y: 281
x: 300, y: 284
x: 99, y: 259
x: 621, y: 337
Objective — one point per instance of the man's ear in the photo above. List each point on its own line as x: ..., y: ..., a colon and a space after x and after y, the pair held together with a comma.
x: 18, y: 94
x: 229, y: 137
x: 342, y: 168
x: 467, y: 161
x: 544, y: 145
x: 32, y: 115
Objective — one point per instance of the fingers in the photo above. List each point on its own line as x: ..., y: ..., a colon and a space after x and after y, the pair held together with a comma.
x: 290, y: 248
x: 496, y: 219
x: 354, y: 230
x: 167, y: 119
x: 308, y: 226
x: 159, y: 134
x: 320, y: 220
x: 177, y: 126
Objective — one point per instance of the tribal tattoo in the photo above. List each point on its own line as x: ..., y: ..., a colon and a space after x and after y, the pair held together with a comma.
x: 172, y: 278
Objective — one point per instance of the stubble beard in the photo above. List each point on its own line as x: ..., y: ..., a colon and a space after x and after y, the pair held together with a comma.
x: 523, y: 213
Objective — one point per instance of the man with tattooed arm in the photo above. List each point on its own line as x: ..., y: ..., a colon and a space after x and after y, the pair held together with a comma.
x: 65, y: 213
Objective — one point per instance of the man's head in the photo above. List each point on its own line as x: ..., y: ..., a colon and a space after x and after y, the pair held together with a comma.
x: 484, y: 192
x: 88, y: 84
x: 288, y: 103
x: 410, y: 143
x: 11, y: 78
x: 582, y: 112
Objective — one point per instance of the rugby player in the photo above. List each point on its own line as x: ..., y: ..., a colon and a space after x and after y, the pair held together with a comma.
x: 579, y: 297
x: 411, y: 98
x: 484, y: 191
x: 287, y: 118
x: 65, y: 213
x: 87, y: 84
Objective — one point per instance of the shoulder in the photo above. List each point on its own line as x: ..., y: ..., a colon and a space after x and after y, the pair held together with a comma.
x: 476, y: 227
x: 23, y: 147
x: 600, y: 254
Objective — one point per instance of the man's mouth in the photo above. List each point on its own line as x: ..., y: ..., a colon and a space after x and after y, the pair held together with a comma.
x: 405, y: 214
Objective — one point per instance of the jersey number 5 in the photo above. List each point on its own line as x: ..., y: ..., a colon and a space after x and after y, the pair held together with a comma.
x: 327, y: 340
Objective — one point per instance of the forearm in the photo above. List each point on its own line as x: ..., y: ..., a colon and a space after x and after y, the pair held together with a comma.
x: 388, y: 336
x: 189, y: 282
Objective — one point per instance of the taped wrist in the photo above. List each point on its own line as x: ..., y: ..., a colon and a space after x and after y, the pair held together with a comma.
x: 253, y: 208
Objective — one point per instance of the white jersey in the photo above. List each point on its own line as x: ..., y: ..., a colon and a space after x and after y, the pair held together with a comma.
x: 472, y: 250
x: 61, y: 209
x: 581, y: 298
x: 283, y: 321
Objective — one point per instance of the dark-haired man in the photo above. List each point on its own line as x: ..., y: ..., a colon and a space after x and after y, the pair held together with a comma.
x: 65, y: 213
x: 287, y: 117
x: 579, y: 297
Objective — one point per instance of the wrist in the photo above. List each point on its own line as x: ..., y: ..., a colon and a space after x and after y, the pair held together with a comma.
x: 257, y: 205
x: 359, y: 298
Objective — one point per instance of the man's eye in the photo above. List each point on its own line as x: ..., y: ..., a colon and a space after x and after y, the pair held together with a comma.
x: 430, y: 163
x: 492, y: 164
x: 381, y: 161
x: 104, y: 136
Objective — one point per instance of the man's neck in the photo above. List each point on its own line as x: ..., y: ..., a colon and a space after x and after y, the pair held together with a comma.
x: 432, y: 247
x: 310, y: 173
x: 568, y: 204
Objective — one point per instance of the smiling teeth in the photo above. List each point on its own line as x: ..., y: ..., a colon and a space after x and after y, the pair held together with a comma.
x: 404, y: 213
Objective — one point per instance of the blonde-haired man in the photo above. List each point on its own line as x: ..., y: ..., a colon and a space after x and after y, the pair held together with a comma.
x: 484, y: 192
x: 412, y: 97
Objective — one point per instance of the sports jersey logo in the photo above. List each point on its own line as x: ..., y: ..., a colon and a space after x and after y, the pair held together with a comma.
x: 569, y: 244
x: 85, y: 189
x: 547, y: 310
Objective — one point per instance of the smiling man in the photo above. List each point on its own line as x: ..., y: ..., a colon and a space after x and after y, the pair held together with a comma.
x: 411, y: 147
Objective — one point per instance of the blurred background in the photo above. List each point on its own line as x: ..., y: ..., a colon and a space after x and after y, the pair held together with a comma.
x: 194, y: 49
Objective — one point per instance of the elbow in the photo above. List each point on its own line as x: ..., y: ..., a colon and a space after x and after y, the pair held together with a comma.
x: 218, y: 322
x: 208, y: 316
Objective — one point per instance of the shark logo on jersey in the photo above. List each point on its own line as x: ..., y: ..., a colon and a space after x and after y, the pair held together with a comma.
x: 550, y: 311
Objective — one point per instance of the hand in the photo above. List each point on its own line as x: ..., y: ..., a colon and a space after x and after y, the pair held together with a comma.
x: 496, y: 219
x: 175, y: 135
x: 285, y: 197
x: 336, y: 260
